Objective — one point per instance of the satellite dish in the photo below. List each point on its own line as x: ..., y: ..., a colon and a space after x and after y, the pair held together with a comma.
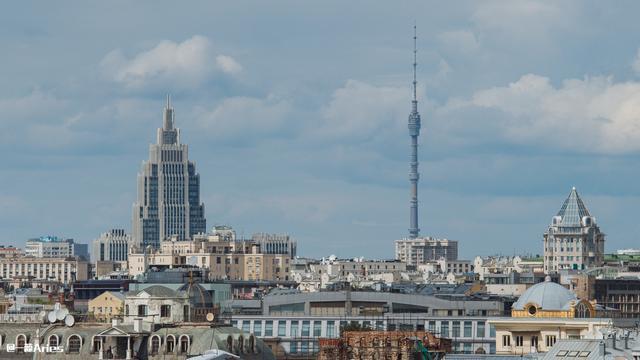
x: 60, y: 314
x: 210, y: 317
x: 42, y: 316
x: 52, y: 316
x: 69, y: 320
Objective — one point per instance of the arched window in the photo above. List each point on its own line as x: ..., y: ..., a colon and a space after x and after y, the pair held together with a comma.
x: 582, y: 311
x: 184, y: 344
x: 95, y: 348
x: 21, y: 340
x: 252, y: 344
x: 53, y: 340
x: 229, y: 343
x: 155, y: 344
x: 171, y: 343
x: 240, y: 344
x: 74, y: 343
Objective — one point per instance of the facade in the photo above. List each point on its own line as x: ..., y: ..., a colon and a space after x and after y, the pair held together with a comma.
x: 10, y: 251
x: 573, y: 240
x: 620, y: 294
x: 422, y: 250
x: 225, y: 260
x: 64, y: 270
x: 276, y: 244
x: 107, y: 305
x: 54, y: 247
x: 297, y: 320
x: 112, y: 245
x: 374, y: 345
x: 544, y: 314
x: 168, y: 201
x: 85, y: 340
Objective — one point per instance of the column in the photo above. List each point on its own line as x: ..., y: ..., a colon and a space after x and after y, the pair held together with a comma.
x: 128, y: 347
x: 100, y: 350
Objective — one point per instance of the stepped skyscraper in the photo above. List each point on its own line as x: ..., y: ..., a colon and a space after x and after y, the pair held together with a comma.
x: 168, y: 201
x: 414, y: 132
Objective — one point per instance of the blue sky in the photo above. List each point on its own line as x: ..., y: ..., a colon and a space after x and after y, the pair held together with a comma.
x: 295, y: 114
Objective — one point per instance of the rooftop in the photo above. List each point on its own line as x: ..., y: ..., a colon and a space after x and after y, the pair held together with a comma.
x: 573, y: 210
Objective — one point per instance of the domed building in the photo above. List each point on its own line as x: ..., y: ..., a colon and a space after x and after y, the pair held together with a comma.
x: 550, y: 300
x: 545, y: 313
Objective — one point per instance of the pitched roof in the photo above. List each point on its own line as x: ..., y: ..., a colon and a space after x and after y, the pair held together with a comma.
x: 572, y: 210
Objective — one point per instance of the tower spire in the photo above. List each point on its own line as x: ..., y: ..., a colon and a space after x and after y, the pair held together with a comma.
x: 167, y: 123
x: 415, y: 65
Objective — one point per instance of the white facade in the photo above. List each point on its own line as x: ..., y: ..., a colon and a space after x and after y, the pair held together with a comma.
x: 49, y: 247
x: 421, y: 250
x: 58, y: 269
x: 299, y: 334
x: 573, y: 241
x: 112, y: 245
x: 156, y: 304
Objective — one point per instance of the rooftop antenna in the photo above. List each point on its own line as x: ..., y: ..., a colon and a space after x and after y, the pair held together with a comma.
x: 168, y: 101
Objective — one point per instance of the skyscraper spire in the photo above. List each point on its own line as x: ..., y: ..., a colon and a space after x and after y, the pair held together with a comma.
x: 414, y: 132
x: 167, y: 123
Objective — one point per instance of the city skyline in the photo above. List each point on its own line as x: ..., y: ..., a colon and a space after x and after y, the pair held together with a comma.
x: 311, y: 139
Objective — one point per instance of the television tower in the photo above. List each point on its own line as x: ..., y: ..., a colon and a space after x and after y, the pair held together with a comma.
x: 414, y: 132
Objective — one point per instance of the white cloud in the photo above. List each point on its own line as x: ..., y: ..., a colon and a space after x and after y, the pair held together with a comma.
x: 187, y: 64
x: 519, y: 16
x: 245, y: 116
x: 593, y: 114
x: 228, y: 64
x: 460, y: 40
x: 360, y: 110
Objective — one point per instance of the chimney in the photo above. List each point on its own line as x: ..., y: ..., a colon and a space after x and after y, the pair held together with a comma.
x: 115, y: 322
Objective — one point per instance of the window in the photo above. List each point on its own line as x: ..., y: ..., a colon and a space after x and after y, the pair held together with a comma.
x: 282, y: 328
x: 184, y: 344
x: 444, y: 329
x: 245, y: 326
x: 432, y: 326
x: 268, y: 329
x: 294, y: 328
x: 492, y: 331
x: 293, y: 347
x: 155, y: 345
x: 534, y: 341
x: 96, y: 345
x: 305, y: 328
x: 519, y: 340
x: 317, y: 328
x: 550, y: 340
x: 331, y: 329
x: 53, y: 340
x: 480, y: 329
x: 142, y: 310
x: 257, y: 328
x: 73, y: 344
x: 468, y: 329
x: 21, y: 340
x: 171, y: 343
x: 165, y: 311
x: 456, y: 329
x: 506, y: 340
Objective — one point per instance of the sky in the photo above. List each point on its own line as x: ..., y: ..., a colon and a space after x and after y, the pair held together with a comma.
x: 296, y: 117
